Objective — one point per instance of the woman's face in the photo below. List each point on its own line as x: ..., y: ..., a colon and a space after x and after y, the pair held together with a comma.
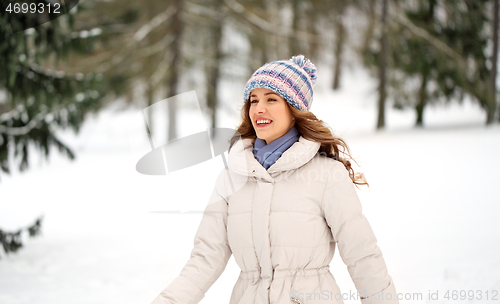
x: 271, y: 118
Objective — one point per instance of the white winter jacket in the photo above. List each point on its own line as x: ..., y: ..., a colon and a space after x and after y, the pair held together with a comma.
x: 282, y: 225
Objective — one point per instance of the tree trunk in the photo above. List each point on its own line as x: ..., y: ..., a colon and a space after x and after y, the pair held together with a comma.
x: 339, y: 46
x: 368, y: 34
x: 494, y: 60
x: 150, y: 92
x: 422, y: 101
x: 214, y: 73
x: 294, y: 42
x: 382, y: 67
x: 176, y: 29
x: 313, y: 14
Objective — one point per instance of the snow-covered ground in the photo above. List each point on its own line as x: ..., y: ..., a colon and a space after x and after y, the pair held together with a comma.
x: 433, y: 202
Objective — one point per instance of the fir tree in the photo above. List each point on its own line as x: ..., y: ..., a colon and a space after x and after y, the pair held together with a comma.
x: 36, y: 100
x: 445, y: 51
x: 416, y: 58
x: 465, y: 30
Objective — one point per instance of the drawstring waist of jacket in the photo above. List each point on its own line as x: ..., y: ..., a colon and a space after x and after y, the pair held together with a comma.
x: 281, y: 273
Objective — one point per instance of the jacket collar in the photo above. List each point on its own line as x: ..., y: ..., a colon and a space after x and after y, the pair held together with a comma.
x: 242, y: 160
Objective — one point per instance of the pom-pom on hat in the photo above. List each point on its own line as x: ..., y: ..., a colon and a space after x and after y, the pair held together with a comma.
x: 293, y: 79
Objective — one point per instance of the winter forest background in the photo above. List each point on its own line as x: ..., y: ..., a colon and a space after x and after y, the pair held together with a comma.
x: 411, y: 86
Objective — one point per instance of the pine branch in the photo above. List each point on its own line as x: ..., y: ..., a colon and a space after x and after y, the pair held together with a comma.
x: 84, y: 34
x: 422, y: 33
x: 55, y: 73
x: 17, y: 131
x: 61, y: 146
x: 11, y: 241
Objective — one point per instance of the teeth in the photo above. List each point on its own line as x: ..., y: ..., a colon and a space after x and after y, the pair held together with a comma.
x: 263, y: 121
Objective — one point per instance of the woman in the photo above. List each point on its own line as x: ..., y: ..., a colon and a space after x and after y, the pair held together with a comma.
x: 283, y: 204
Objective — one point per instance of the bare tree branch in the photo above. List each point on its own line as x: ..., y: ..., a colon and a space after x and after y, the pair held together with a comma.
x: 151, y: 25
x: 272, y: 28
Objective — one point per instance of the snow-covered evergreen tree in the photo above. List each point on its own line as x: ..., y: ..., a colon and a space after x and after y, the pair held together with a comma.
x: 36, y: 99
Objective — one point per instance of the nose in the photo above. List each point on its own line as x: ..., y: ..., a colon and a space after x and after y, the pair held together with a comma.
x: 260, y: 108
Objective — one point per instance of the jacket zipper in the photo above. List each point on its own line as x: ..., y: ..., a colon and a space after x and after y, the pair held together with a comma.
x: 295, y: 300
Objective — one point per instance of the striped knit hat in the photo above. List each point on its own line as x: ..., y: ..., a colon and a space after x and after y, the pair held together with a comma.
x: 293, y: 79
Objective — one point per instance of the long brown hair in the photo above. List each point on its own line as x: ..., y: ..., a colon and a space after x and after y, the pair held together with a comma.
x: 311, y: 128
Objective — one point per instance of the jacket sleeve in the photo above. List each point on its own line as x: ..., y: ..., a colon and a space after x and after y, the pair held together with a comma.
x: 355, y: 239
x: 209, y: 256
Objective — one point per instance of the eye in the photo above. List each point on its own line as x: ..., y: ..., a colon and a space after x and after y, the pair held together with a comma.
x: 254, y: 101
x: 272, y: 99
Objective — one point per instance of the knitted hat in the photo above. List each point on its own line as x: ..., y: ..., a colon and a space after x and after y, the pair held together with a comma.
x: 293, y: 79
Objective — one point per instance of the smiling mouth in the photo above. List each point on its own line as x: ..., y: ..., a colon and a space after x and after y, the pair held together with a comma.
x: 263, y: 122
